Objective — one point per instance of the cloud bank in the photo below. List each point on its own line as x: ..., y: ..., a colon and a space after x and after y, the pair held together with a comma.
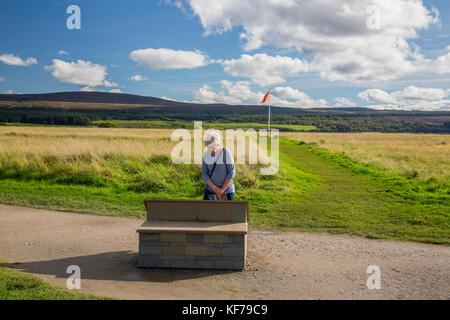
x: 240, y: 92
x: 410, y: 98
x: 346, y: 40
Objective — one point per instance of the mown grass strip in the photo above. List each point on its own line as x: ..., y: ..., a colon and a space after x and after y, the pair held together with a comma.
x: 356, y: 201
x: 430, y: 191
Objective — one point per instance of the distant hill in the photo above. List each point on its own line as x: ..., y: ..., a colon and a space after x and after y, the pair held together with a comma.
x: 93, y: 100
x: 130, y: 99
x: 93, y: 97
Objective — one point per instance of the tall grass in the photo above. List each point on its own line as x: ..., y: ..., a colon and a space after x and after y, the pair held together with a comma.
x: 131, y: 159
x: 419, y: 156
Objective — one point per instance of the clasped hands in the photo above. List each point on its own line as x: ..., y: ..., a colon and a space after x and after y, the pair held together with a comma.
x: 218, y: 191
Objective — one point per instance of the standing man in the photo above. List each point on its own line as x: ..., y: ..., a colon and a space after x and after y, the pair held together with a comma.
x: 218, y: 169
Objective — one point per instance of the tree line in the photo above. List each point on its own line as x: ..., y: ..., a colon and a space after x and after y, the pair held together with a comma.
x: 324, y: 121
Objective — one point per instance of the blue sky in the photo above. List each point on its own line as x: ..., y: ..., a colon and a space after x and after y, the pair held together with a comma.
x: 309, y: 56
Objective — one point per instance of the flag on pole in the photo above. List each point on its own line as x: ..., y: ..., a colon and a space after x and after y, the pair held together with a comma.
x: 266, y: 97
x: 264, y: 100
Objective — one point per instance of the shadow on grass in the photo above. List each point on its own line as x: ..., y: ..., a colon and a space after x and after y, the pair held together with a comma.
x: 115, y: 266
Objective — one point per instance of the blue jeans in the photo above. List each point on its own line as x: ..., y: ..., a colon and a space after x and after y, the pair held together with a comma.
x: 212, y: 196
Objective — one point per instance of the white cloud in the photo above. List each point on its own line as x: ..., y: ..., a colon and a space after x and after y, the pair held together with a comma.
x: 109, y: 84
x: 376, y: 96
x: 206, y: 95
x: 289, y: 97
x: 440, y: 65
x: 413, y: 93
x: 167, y: 98
x: 342, y: 102
x: 93, y: 89
x: 410, y: 98
x: 9, y: 92
x: 159, y: 59
x: 240, y: 92
x: 231, y: 93
x: 383, y: 107
x: 88, y: 89
x: 263, y: 69
x: 81, y: 72
x: 2, y: 79
x: 138, y: 77
x: 13, y: 60
x: 63, y: 53
x: 334, y: 33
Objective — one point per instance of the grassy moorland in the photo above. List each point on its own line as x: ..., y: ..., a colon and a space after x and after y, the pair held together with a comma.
x: 15, y: 285
x: 212, y: 125
x: 110, y: 171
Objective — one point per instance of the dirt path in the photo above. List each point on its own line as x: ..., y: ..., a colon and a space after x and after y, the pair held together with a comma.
x: 280, y: 265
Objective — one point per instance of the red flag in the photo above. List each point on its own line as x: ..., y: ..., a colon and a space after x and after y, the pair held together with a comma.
x: 266, y: 97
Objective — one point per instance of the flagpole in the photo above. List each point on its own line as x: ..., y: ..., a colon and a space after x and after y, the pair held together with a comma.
x: 268, y: 130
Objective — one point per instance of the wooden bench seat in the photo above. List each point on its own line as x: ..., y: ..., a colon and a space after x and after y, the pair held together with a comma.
x: 194, y: 234
x: 193, y: 227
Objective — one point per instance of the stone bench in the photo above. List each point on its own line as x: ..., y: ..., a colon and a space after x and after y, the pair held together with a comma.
x: 194, y: 234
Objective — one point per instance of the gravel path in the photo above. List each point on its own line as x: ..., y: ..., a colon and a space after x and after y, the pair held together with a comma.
x: 281, y: 265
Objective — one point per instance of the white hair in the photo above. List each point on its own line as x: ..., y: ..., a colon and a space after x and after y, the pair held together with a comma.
x: 213, y: 138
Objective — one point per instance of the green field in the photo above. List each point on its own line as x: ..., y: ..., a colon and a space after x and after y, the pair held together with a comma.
x: 160, y: 124
x: 110, y: 172
x: 207, y: 125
